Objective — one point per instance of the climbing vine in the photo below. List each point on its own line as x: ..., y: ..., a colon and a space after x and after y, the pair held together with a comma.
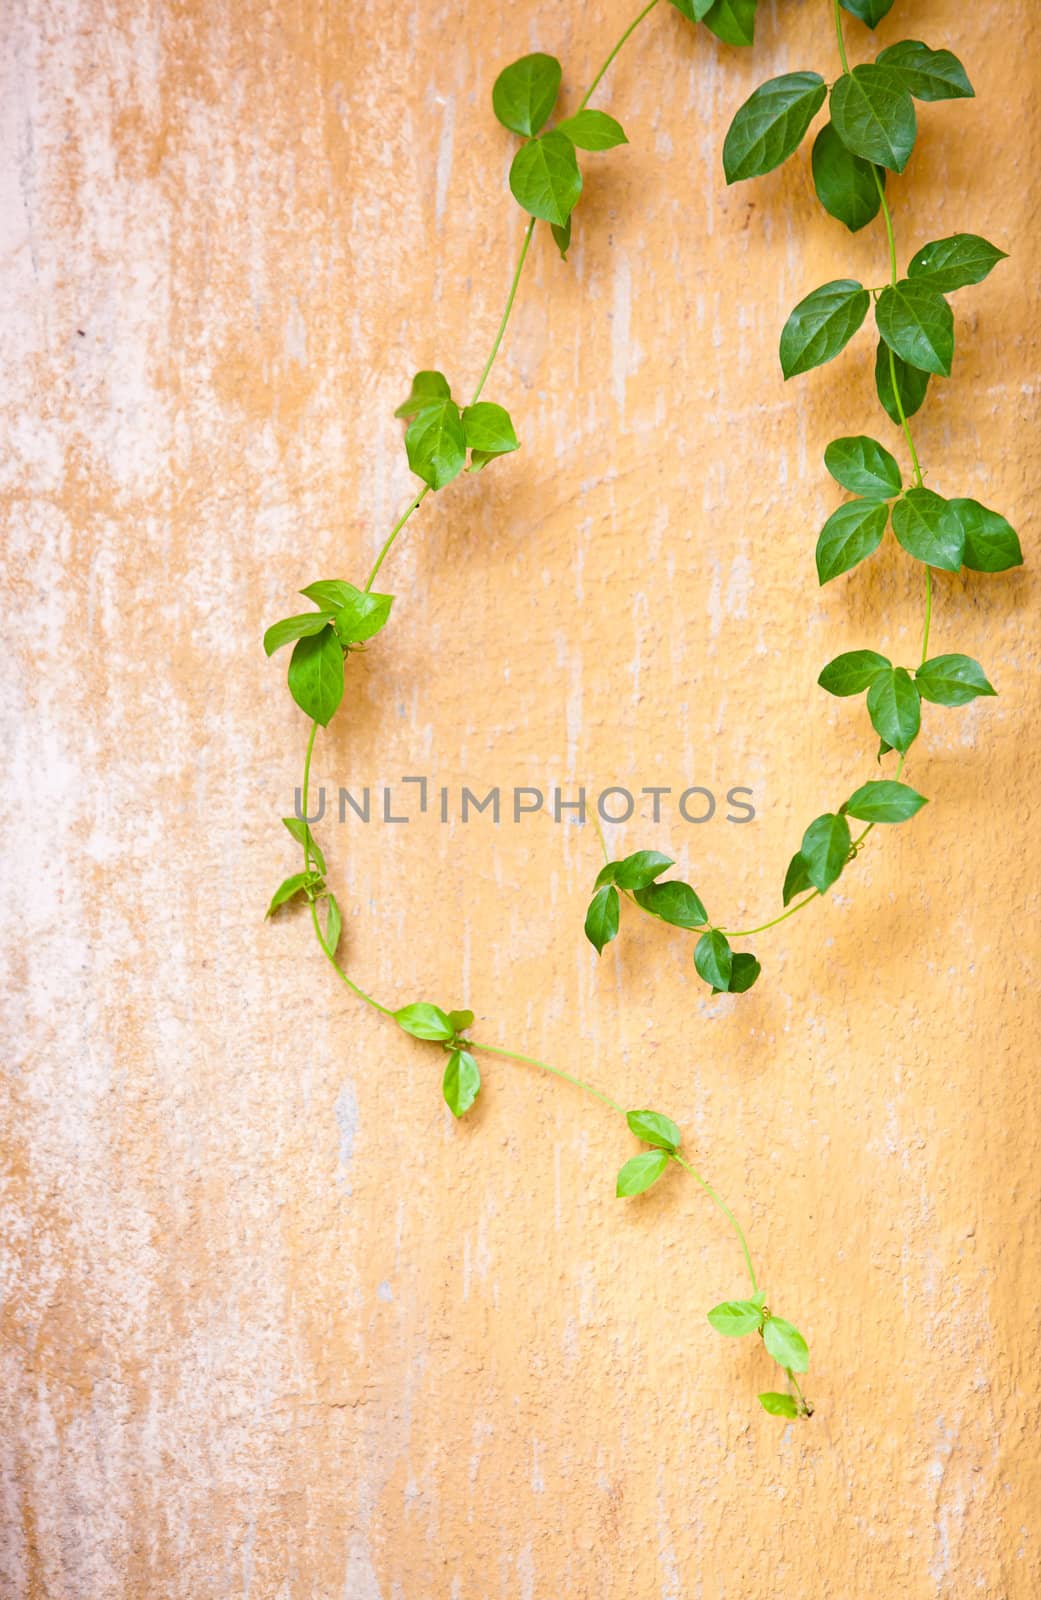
x: 871, y: 131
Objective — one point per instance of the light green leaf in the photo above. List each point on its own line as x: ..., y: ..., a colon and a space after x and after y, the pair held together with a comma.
x: 593, y: 130
x: 917, y: 324
x: 822, y: 325
x: 735, y: 1318
x: 303, y: 835
x: 927, y: 74
x: 778, y: 1405
x: 640, y: 869
x: 673, y: 902
x: 714, y: 959
x: 733, y: 21
x: 771, y: 124
x: 602, y: 918
x: 640, y: 1172
x: 425, y: 1021
x: 436, y: 443
x: 796, y: 879
x: 525, y: 93
x: 874, y: 116
x: 427, y: 387
x: 864, y: 466
x: 461, y: 1083
x: 786, y: 1344
x: 991, y: 544
x: 852, y: 672
x: 653, y: 1128
x: 356, y: 614
x: 460, y: 1020
x: 316, y: 675
x: 290, y: 628
x: 333, y: 926
x: 545, y: 179
x: 825, y: 849
x: 884, y: 801
x: 954, y: 263
x: 895, y: 708
x: 845, y: 183
x: 299, y: 883
x: 928, y: 529
x: 693, y: 10
x: 952, y: 680
x: 489, y: 432
x: 850, y: 534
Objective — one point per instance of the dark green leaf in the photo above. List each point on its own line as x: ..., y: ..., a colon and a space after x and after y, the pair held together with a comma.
x: 952, y: 680
x: 733, y: 21
x: 593, y: 130
x: 927, y: 74
x: 850, y: 534
x: 333, y: 926
x: 735, y: 1318
x: 693, y: 10
x: 917, y: 324
x: 991, y: 544
x: 825, y: 849
x: 461, y: 1083
x: 895, y: 708
x: 870, y: 12
x: 863, y: 466
x: 796, y: 879
x: 545, y: 179
x: 852, y: 672
x: 427, y: 387
x: 562, y: 236
x: 290, y: 628
x: 845, y: 183
x: 602, y: 918
x: 425, y: 1021
x: 357, y: 613
x: 673, y: 902
x: 771, y: 124
x: 911, y: 382
x: 299, y: 883
x: 884, y: 801
x: 953, y: 263
x: 640, y: 1172
x: 744, y: 970
x: 489, y: 431
x: 436, y: 443
x: 822, y: 325
x: 303, y: 835
x: 460, y: 1020
x: 778, y: 1405
x: 653, y: 1128
x: 928, y: 529
x: 874, y: 116
x: 525, y: 93
x: 714, y: 959
x: 786, y: 1344
x: 640, y: 869
x: 316, y: 675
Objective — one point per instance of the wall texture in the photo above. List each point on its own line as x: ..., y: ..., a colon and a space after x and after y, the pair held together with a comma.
x: 273, y: 1325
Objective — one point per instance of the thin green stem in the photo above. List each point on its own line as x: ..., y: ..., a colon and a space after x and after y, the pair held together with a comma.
x: 355, y: 988
x: 603, y: 841
x: 556, y: 1072
x: 928, y: 613
x: 412, y: 506
x: 888, y: 219
x: 304, y: 806
x: 721, y: 1203
x: 838, y: 35
x: 510, y: 298
x: 746, y: 933
x: 629, y: 30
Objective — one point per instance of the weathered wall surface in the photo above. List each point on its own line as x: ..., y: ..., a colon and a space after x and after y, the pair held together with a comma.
x: 273, y: 1325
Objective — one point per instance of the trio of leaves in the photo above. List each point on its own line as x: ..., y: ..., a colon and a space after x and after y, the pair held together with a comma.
x: 461, y: 1083
x: 309, y: 885
x: 440, y: 431
x: 345, y: 618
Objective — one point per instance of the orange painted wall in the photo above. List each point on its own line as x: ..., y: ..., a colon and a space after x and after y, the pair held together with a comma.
x: 273, y: 1325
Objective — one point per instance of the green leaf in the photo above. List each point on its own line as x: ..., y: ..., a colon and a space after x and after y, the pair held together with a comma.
x: 545, y: 179
x: 333, y: 925
x: 436, y: 443
x: 852, y: 672
x: 863, y: 466
x: 427, y: 387
x: 926, y: 527
x: 955, y: 262
x: 640, y: 1172
x: 850, y: 534
x: 991, y: 544
x: 870, y: 12
x: 316, y: 675
x: 884, y: 801
x: 606, y: 874
x: 602, y: 918
x: 874, y: 116
x: 425, y: 1021
x: 299, y: 883
x: 290, y: 628
x: 562, y: 236
x: 778, y: 1405
x: 714, y: 959
x: 927, y: 74
x: 735, y: 1318
x: 822, y: 325
x: 911, y: 382
x: 895, y: 708
x: 917, y: 324
x: 593, y: 130
x: 674, y: 902
x: 770, y: 125
x: 653, y: 1128
x: 356, y: 614
x: 796, y: 879
x: 693, y: 10
x: 825, y: 849
x: 845, y: 183
x: 525, y: 93
x: 744, y: 970
x: 461, y: 1083
x: 952, y: 680
x: 733, y: 21
x: 640, y: 869
x: 489, y: 432
x: 786, y: 1344
x: 460, y: 1020
x: 303, y: 835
